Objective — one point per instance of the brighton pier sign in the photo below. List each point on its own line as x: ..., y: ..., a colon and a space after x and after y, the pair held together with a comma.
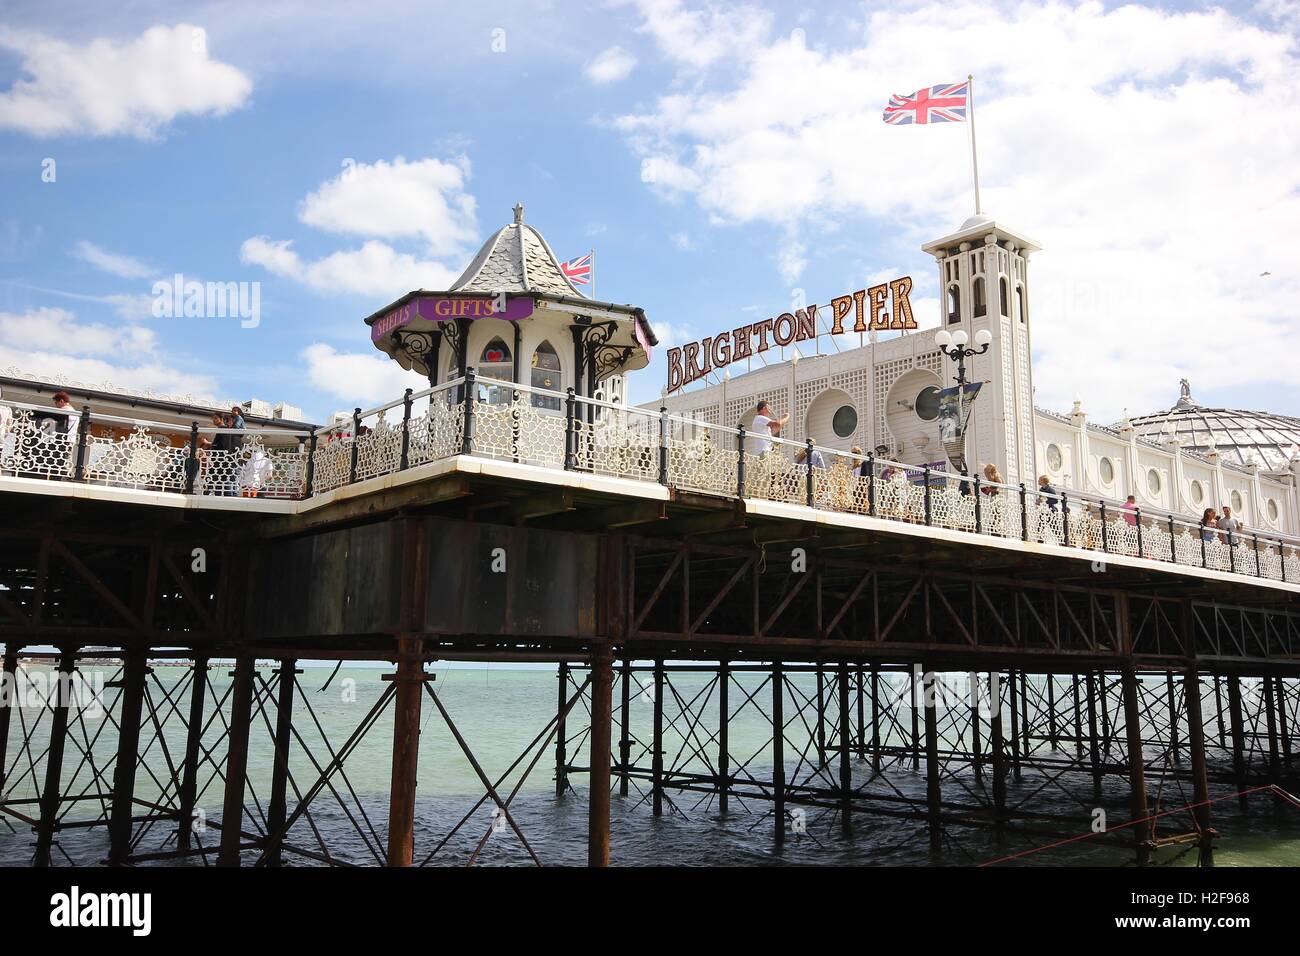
x: 694, y: 360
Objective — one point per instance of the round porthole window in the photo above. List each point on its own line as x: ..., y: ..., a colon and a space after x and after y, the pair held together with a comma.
x: 1107, y: 471
x: 1235, y: 498
x: 1272, y: 509
x: 1054, y: 458
x: 1153, y: 482
x: 1198, y: 492
x: 927, y: 404
x: 845, y: 421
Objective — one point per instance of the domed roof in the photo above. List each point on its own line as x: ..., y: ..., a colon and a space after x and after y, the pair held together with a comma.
x: 515, y: 260
x: 1240, y: 437
x: 977, y: 220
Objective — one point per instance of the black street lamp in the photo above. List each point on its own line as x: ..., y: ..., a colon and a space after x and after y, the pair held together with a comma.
x: 954, y: 346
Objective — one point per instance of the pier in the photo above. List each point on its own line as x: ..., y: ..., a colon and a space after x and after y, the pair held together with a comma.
x: 1001, y: 643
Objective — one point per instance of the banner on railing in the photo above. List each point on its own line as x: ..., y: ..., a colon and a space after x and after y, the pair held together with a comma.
x: 955, y: 404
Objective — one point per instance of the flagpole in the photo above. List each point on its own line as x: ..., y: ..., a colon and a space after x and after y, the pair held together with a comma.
x: 974, y: 160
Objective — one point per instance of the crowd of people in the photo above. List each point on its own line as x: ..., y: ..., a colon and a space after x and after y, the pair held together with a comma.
x: 48, y: 448
x: 1219, y: 525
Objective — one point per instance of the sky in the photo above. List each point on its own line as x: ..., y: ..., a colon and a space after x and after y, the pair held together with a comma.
x: 723, y: 160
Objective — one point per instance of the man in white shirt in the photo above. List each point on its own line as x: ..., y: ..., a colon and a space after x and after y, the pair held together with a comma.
x: 764, y: 426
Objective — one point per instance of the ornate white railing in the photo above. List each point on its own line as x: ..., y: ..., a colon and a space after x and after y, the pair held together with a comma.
x: 500, y: 420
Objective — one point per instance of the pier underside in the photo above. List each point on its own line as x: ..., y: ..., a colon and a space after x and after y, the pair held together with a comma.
x: 714, y: 657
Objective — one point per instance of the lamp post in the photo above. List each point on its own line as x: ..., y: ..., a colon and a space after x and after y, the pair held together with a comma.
x: 954, y: 346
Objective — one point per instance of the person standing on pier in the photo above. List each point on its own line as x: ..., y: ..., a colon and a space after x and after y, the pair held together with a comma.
x: 764, y: 426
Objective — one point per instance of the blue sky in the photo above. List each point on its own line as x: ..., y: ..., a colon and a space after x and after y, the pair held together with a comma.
x: 718, y: 157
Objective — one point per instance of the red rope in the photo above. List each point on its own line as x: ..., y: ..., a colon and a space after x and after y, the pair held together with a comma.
x: 1275, y: 790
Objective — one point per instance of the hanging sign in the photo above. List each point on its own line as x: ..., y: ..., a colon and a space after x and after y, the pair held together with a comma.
x: 694, y: 360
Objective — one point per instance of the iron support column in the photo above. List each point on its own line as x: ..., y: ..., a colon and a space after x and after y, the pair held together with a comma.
x: 277, y: 807
x: 193, y: 747
x: 562, y: 695
x: 232, y: 814
x: 1136, y: 761
x: 134, y: 670
x: 602, y: 719
x: 846, y: 776
x: 1196, y: 750
x: 407, y: 698
x: 657, y: 756
x: 931, y: 703
x: 778, y: 751
x: 51, y: 793
x: 1238, y: 736
x: 724, y: 740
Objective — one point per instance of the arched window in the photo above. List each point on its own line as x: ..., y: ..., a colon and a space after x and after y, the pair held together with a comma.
x: 1003, y: 300
x: 496, y: 362
x: 980, y: 306
x: 954, y: 305
x: 1024, y: 303
x: 546, y: 374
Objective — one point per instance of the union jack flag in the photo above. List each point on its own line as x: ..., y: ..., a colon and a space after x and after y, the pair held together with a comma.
x: 578, y: 271
x: 934, y: 104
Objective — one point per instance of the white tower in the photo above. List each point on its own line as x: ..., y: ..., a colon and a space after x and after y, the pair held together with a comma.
x: 984, y: 284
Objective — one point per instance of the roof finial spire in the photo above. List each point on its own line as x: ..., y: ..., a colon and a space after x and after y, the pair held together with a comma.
x: 519, y: 213
x: 1184, y: 393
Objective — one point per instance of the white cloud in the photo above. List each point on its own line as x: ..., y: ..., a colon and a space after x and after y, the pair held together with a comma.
x: 610, y: 66
x: 673, y: 334
x: 118, y: 265
x: 700, y: 38
x: 108, y: 88
x: 368, y: 377
x: 1146, y: 149
x: 376, y: 268
x: 52, y: 342
x: 425, y: 199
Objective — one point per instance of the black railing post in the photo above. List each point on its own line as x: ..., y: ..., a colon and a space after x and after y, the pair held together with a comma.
x: 979, y: 519
x: 808, y: 471
x: 192, y: 462
x: 356, y: 436
x: 471, y: 400
x: 663, y: 444
x: 1024, y: 514
x: 1204, y: 562
x: 925, y: 476
x: 1065, y: 519
x: 83, y: 431
x: 740, y: 461
x: 570, y: 430
x: 1259, y: 572
x: 406, y: 431
x: 1105, y: 544
x: 871, y: 484
x: 1173, y: 548
x: 1281, y: 559
x: 1138, y: 513
x: 311, y: 465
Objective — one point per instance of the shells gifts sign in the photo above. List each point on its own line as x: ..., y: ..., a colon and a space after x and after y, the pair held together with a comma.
x: 883, y: 307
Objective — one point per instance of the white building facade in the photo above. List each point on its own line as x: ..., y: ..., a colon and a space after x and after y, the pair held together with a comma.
x: 881, y: 396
